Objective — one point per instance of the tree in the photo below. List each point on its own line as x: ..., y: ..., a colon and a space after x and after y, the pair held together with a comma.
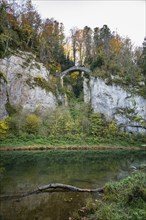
x: 81, y: 41
x: 96, y: 37
x: 143, y: 59
x: 87, y: 35
x: 96, y: 45
x: 8, y: 29
x: 97, y: 124
x: 32, y: 123
x: 105, y: 36
x: 30, y: 26
x: 4, y: 127
x: 116, y: 45
x: 101, y: 48
x: 74, y: 43
x: 80, y: 46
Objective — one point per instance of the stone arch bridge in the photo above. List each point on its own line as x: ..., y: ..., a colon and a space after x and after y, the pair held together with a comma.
x: 73, y: 69
x: 86, y: 80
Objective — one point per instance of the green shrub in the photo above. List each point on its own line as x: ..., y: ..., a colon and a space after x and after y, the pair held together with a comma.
x: 4, y: 128
x: 59, y: 122
x: 122, y: 200
x: 112, y: 129
x: 32, y: 123
x: 97, y: 124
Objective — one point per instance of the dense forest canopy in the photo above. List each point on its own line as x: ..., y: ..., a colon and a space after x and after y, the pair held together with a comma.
x: 102, y: 50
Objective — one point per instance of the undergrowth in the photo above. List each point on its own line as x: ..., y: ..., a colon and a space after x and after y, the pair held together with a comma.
x: 81, y: 140
x: 121, y: 200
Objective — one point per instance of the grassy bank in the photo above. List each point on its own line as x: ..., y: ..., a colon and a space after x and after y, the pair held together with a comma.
x: 76, y: 125
x: 121, y: 200
x: 73, y: 141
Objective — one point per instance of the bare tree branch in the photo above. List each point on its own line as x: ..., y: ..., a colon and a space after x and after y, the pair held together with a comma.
x: 53, y: 187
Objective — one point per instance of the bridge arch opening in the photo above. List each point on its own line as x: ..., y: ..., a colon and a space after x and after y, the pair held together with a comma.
x: 74, y: 69
x: 73, y: 80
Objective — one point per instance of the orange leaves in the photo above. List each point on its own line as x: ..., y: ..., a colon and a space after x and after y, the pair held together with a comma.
x: 116, y: 45
x: 27, y: 29
x: 12, y: 20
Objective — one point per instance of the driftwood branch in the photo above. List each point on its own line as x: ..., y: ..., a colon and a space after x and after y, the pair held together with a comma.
x: 53, y: 187
x: 68, y: 187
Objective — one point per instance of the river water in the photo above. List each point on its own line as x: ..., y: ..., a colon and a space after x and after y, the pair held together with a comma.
x: 25, y: 171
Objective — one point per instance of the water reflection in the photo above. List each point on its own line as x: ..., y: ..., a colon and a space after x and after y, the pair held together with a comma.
x: 27, y: 171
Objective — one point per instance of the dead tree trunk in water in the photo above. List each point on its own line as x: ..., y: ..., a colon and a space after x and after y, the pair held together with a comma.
x: 53, y: 187
x: 68, y: 187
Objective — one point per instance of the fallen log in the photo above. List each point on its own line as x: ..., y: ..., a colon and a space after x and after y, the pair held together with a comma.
x: 53, y: 187
x: 69, y: 187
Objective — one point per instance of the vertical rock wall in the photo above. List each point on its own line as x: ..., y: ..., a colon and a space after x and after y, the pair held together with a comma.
x: 17, y: 88
x: 128, y: 110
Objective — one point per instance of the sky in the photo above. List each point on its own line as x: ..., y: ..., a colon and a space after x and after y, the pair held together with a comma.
x: 126, y: 17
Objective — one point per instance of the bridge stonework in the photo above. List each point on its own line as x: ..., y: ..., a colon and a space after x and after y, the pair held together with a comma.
x: 73, y: 69
x: 86, y: 81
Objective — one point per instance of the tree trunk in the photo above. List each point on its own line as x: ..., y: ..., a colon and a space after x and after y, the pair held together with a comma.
x: 53, y: 187
x: 69, y: 187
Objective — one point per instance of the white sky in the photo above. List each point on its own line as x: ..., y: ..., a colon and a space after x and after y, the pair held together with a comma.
x: 128, y: 18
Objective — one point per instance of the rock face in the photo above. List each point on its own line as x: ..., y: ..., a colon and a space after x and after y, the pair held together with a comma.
x: 129, y: 111
x: 86, y: 90
x: 20, y: 87
x: 16, y: 84
x: 3, y: 98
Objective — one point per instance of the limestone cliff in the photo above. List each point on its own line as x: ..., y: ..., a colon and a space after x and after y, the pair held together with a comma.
x: 18, y: 87
x: 128, y: 110
x: 26, y: 84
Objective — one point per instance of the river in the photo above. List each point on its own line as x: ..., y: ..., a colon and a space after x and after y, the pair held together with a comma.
x: 25, y: 171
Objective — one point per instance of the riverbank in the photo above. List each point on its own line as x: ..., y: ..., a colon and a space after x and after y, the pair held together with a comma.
x: 69, y: 147
x: 72, y: 143
x: 125, y: 199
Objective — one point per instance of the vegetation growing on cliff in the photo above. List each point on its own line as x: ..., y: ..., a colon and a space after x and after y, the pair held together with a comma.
x: 106, y: 53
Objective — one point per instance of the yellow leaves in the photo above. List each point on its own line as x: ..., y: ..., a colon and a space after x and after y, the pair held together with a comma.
x: 58, y: 67
x: 116, y: 45
x: 54, y: 80
x: 12, y: 20
x: 74, y: 75
x: 4, y: 127
x: 68, y: 49
x: 33, y: 120
x: 112, y: 128
x: 26, y: 26
x: 60, y: 122
x: 32, y: 123
x: 38, y: 78
x: 27, y: 30
x: 99, y: 72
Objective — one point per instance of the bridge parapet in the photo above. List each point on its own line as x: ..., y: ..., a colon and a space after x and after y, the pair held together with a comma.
x: 72, y: 69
